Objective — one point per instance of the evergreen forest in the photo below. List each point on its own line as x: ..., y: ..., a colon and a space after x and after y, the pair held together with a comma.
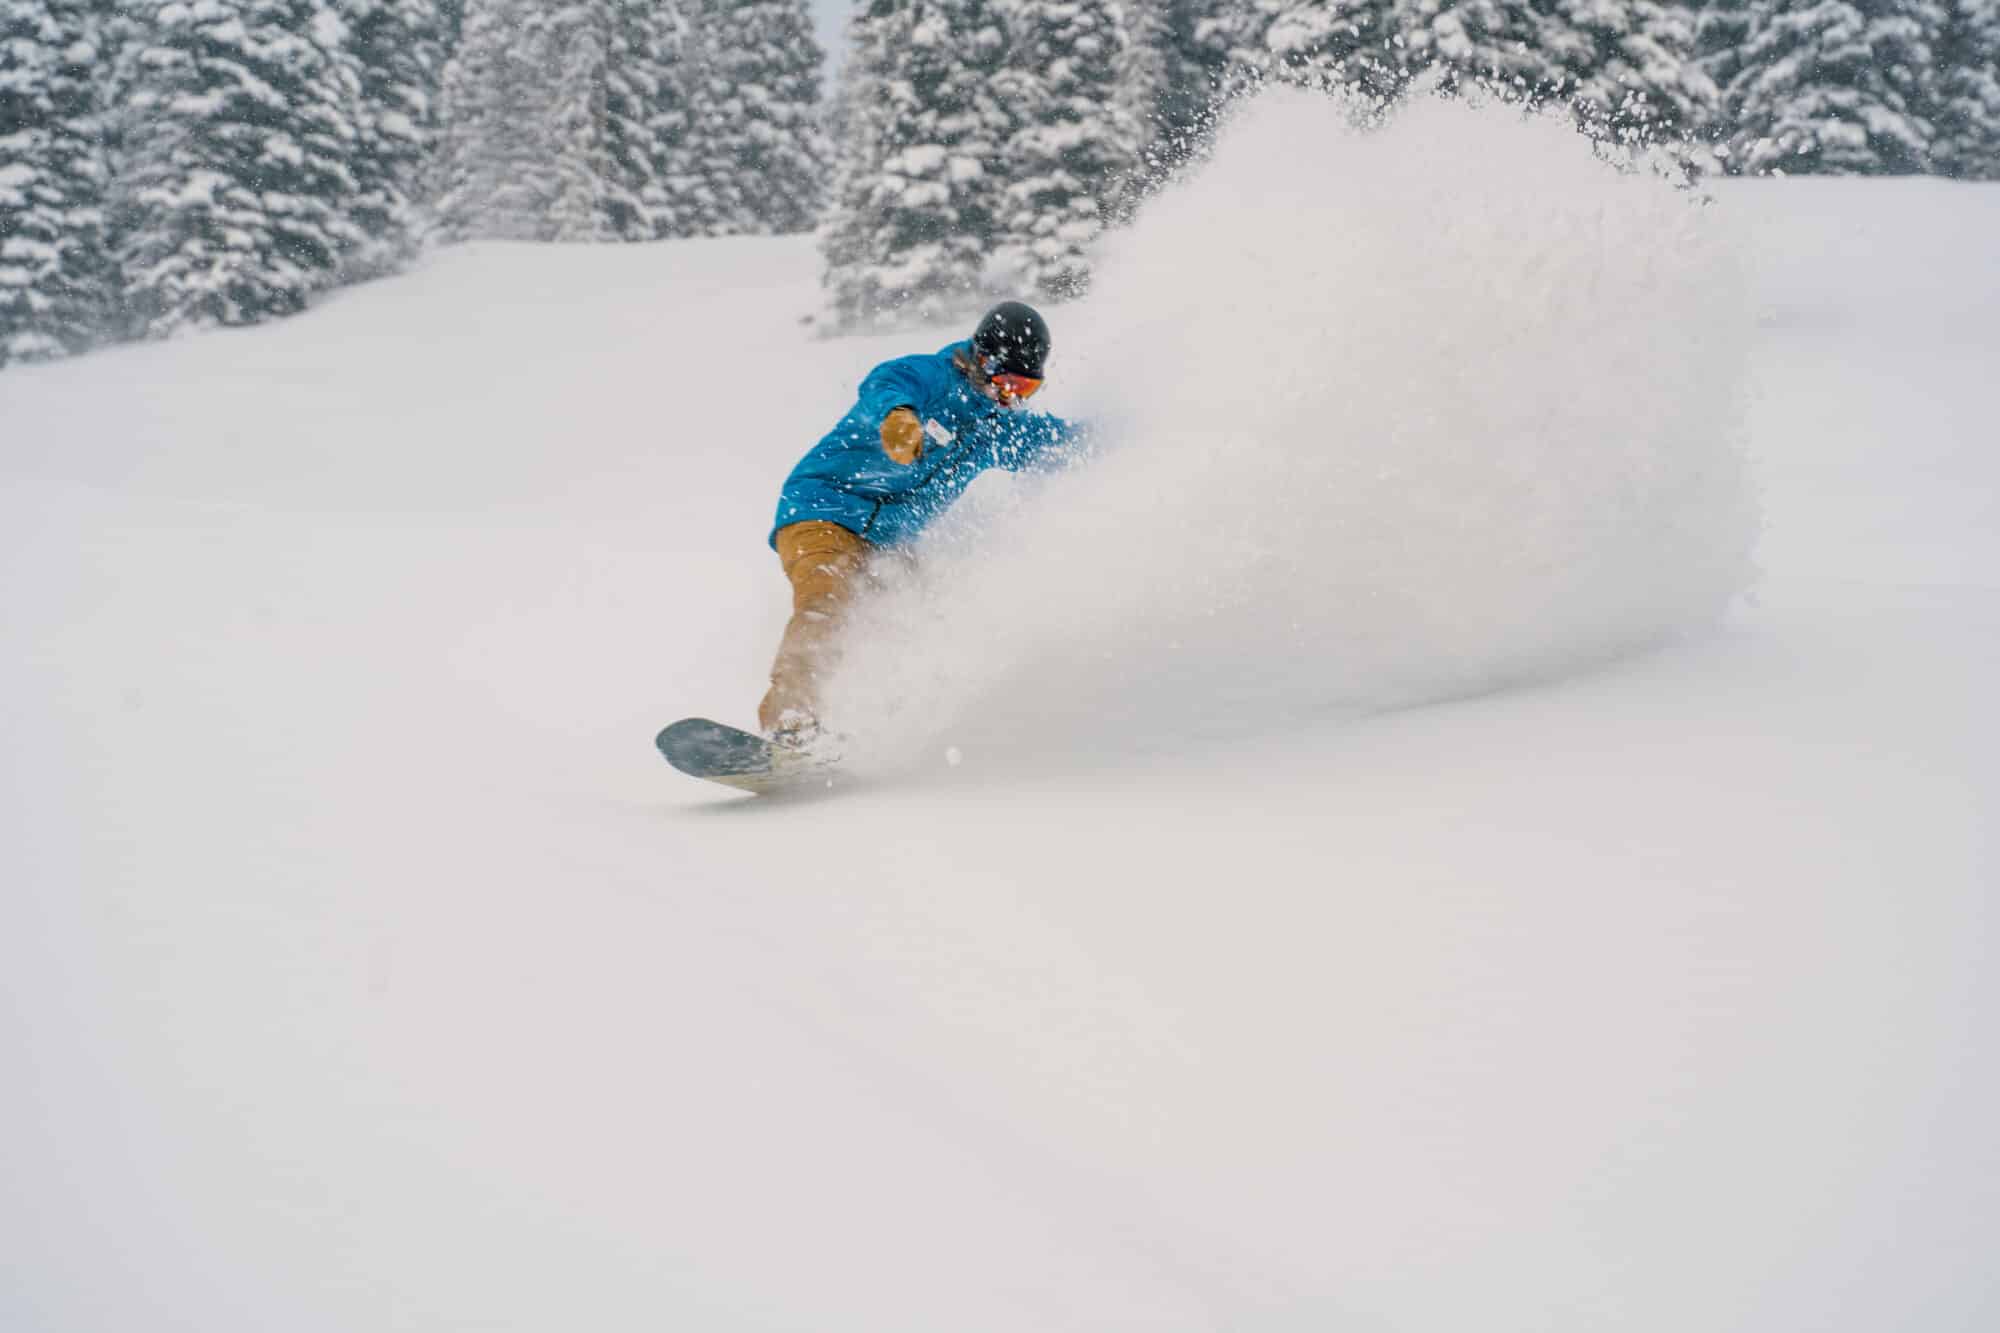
x: 176, y: 164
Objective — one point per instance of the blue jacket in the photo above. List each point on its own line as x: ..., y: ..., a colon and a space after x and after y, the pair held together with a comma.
x: 849, y: 480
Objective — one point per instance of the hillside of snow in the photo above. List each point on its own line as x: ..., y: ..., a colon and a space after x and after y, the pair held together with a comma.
x: 1474, y: 809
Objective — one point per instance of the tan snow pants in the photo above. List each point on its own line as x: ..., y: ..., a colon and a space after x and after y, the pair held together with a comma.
x: 824, y: 562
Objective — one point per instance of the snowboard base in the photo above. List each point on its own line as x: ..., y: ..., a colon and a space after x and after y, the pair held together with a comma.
x: 717, y: 752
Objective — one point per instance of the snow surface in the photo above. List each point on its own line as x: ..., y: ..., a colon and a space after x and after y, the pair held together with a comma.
x: 366, y: 969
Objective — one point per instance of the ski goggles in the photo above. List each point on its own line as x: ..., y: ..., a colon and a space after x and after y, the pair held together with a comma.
x: 1016, y: 386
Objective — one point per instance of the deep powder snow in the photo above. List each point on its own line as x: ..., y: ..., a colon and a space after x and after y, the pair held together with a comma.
x: 1380, y: 417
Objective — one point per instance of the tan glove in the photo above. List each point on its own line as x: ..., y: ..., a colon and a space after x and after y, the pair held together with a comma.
x: 903, y: 436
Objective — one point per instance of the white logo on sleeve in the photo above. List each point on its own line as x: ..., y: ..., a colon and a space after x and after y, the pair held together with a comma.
x: 939, y: 435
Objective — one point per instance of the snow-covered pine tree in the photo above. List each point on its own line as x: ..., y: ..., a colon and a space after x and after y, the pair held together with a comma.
x: 1833, y: 87
x: 1169, y: 84
x: 1626, y: 69
x: 1721, y: 35
x: 486, y: 136
x: 678, y: 200
x: 571, y: 44
x: 552, y: 118
x: 646, y: 122
x: 1333, y: 44
x: 755, y: 140
x: 398, y: 48
x: 700, y: 172
x: 1498, y: 43
x: 918, y: 194
x: 55, y: 271
x: 1142, y: 73
x: 1963, y: 91
x: 1075, y: 146
x: 236, y: 185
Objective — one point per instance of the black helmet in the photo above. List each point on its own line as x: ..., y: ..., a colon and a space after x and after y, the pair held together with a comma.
x: 1011, y: 340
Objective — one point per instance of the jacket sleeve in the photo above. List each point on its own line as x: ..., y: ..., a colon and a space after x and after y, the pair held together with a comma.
x: 1041, y: 441
x: 889, y: 386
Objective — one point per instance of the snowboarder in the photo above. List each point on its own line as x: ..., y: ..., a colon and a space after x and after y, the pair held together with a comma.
x: 920, y: 430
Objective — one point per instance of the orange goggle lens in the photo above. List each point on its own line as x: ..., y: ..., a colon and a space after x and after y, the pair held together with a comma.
x: 1016, y: 386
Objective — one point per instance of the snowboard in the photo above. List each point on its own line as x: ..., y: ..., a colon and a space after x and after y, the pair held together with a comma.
x: 716, y: 752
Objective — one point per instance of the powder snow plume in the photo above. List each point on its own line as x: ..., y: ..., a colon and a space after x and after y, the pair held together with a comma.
x: 1380, y: 417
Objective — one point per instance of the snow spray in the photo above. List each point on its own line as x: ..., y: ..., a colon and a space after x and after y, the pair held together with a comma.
x: 1378, y: 417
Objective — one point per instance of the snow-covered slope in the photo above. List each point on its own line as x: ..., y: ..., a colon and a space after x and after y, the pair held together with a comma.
x: 366, y: 969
